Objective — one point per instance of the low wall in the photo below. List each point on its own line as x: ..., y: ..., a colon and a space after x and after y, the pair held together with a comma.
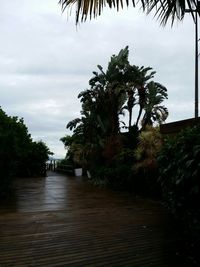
x: 175, y: 127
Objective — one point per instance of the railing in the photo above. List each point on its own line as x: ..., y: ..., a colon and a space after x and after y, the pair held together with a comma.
x: 51, y: 166
x: 64, y: 168
x: 55, y: 165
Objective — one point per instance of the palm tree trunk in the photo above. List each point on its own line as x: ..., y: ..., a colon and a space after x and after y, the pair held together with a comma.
x: 130, y: 119
x: 142, y: 96
x: 139, y: 115
x: 131, y: 101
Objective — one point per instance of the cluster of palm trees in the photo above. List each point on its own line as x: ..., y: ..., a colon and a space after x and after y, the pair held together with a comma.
x: 113, y: 93
x: 122, y: 87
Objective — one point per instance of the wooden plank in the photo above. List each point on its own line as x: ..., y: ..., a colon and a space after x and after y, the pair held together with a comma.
x: 64, y: 221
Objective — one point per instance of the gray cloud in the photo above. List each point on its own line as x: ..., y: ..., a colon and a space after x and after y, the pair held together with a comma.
x: 46, y: 61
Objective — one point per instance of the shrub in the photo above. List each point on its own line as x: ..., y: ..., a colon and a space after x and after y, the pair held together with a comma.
x: 179, y: 167
x: 117, y: 177
x: 145, y: 167
x: 34, y: 160
x: 19, y: 155
x: 116, y: 174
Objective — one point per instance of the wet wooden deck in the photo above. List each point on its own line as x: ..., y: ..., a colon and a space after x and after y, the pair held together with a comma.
x: 63, y: 221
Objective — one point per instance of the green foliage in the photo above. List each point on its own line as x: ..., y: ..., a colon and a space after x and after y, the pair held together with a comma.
x: 19, y: 155
x: 116, y: 174
x: 179, y: 165
x: 76, y: 153
x: 150, y: 142
x: 97, y: 142
x: 154, y: 111
x: 33, y: 162
x: 145, y: 166
x: 130, y: 138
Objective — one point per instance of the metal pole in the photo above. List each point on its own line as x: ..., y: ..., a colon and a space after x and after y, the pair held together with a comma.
x: 196, y: 110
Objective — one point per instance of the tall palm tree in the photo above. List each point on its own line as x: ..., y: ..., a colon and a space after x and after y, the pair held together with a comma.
x: 141, y: 82
x: 156, y: 93
x: 164, y: 9
x: 112, y: 84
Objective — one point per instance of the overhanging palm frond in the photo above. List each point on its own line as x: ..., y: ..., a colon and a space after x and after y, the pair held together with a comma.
x: 164, y: 9
x: 93, y: 8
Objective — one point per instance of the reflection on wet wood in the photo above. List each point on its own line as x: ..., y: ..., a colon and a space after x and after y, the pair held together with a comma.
x: 63, y: 221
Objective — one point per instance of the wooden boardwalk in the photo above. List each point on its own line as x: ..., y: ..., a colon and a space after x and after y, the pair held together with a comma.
x: 63, y: 221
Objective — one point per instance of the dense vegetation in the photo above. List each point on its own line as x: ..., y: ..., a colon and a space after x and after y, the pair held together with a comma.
x: 19, y: 154
x: 101, y: 142
x: 179, y: 167
x: 179, y: 177
x: 133, y: 155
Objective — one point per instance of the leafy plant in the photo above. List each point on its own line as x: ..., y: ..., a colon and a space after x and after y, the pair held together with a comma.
x: 154, y: 111
x: 145, y: 166
x: 115, y: 176
x: 150, y: 142
x: 97, y: 139
x: 19, y: 155
x: 179, y: 165
x: 33, y: 163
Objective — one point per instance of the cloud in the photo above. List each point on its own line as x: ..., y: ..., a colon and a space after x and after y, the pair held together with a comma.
x: 46, y: 61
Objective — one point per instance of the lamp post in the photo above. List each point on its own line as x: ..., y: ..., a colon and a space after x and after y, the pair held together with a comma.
x: 196, y: 93
x: 196, y: 106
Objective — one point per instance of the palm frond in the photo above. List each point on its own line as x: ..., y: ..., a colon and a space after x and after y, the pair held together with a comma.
x: 163, y: 9
x: 170, y: 9
x: 73, y: 124
x: 93, y: 8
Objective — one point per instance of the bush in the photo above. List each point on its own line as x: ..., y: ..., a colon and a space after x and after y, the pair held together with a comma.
x: 179, y: 167
x: 19, y: 155
x: 145, y: 167
x: 33, y: 162
x: 134, y: 168
x: 116, y: 174
x: 117, y: 177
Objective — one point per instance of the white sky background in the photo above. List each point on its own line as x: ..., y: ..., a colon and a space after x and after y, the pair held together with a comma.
x: 45, y: 61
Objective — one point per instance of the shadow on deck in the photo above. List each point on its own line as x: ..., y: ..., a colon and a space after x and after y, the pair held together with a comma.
x: 63, y: 221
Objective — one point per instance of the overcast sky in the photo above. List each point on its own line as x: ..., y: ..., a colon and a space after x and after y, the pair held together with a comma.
x: 45, y: 61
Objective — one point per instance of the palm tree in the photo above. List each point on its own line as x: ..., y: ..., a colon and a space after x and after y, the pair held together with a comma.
x: 101, y: 107
x: 141, y: 81
x: 156, y: 93
x: 110, y: 87
x: 164, y: 9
